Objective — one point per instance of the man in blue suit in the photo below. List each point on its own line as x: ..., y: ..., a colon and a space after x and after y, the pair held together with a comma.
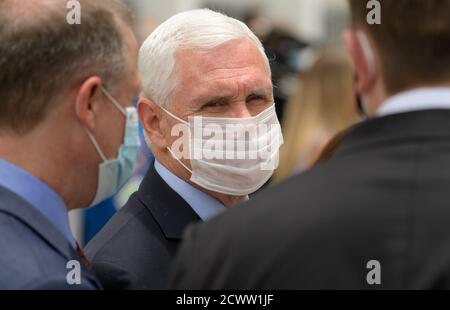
x: 63, y: 114
x: 197, y: 63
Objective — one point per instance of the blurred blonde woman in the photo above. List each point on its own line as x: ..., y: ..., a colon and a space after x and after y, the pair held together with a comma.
x: 322, y: 107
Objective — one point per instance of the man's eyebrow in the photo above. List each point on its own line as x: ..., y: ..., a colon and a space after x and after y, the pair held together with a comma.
x: 213, y: 100
x: 261, y: 91
x: 266, y: 92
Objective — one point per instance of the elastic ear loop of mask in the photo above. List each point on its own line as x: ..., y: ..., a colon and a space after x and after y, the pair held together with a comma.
x: 174, y: 116
x: 368, y: 53
x: 91, y: 137
x: 370, y: 59
x: 97, y: 147
x: 168, y: 148
x: 178, y: 160
x: 113, y: 101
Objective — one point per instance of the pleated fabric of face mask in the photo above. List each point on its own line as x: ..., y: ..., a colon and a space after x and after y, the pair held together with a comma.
x: 233, y: 156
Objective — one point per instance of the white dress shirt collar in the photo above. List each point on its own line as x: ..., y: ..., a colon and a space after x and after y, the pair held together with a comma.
x: 416, y: 100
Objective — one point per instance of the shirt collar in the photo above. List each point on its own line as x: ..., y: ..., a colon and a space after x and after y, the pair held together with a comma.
x: 38, y: 195
x: 416, y: 100
x: 203, y: 204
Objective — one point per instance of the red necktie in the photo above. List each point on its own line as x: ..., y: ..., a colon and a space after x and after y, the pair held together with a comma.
x: 86, y: 262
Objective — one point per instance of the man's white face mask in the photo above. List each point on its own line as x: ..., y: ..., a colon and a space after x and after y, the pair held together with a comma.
x: 233, y: 156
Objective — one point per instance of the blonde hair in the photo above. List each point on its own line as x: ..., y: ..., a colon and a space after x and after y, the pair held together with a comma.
x: 321, y: 108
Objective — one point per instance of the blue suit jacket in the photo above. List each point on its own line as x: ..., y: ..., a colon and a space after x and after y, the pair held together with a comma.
x: 33, y: 253
x: 134, y: 251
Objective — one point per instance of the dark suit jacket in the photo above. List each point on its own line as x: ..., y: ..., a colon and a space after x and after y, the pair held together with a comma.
x: 34, y: 254
x: 136, y: 247
x: 384, y: 196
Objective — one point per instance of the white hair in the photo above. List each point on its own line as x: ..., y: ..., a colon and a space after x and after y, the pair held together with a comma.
x: 201, y: 29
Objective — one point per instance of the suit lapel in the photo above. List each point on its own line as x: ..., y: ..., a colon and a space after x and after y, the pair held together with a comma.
x: 172, y: 213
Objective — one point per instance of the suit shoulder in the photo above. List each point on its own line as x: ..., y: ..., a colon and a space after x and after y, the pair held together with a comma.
x: 113, y: 275
x: 17, y: 238
x: 131, y: 251
x: 26, y: 258
x: 120, y: 223
x: 301, y: 212
x: 325, y: 194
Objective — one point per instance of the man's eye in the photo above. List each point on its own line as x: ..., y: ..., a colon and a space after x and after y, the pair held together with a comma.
x: 213, y: 104
x: 256, y: 98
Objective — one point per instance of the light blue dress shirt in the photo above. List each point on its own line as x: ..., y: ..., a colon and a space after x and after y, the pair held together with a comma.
x: 203, y: 204
x: 38, y: 195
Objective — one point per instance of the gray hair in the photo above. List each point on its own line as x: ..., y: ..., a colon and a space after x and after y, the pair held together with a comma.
x: 201, y: 29
x: 41, y: 55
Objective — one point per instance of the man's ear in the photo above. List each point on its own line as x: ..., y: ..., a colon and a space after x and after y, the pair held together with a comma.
x: 150, y: 118
x: 359, y: 60
x: 88, y: 97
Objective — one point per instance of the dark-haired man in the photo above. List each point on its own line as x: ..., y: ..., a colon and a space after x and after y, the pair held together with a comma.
x: 65, y: 110
x: 377, y: 214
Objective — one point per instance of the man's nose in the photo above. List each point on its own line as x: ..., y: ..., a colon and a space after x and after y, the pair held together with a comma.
x: 240, y: 111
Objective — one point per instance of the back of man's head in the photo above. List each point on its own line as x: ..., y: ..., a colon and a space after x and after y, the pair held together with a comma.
x: 412, y: 40
x: 42, y: 55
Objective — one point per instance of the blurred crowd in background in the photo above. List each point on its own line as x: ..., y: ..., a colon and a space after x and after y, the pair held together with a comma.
x: 302, y: 39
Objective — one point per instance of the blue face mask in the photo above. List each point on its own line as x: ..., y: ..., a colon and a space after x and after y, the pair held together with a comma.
x: 113, y: 174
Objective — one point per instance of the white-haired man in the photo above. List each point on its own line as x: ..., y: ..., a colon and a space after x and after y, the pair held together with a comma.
x: 206, y: 89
